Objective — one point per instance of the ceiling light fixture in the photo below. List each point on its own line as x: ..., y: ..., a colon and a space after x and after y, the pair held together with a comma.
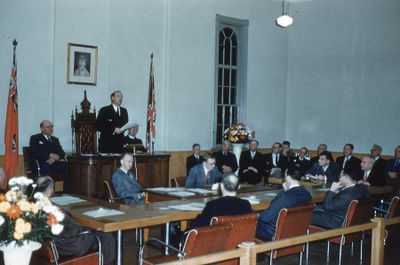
x: 284, y: 20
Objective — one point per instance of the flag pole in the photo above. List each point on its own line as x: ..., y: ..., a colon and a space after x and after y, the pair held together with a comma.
x: 152, y: 140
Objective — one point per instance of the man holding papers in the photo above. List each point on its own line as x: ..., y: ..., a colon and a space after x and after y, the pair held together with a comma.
x: 125, y: 183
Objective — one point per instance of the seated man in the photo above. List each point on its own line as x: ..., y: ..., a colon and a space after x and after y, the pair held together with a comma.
x: 194, y: 159
x: 392, y: 169
x: 131, y: 139
x: 321, y: 148
x: 226, y: 161
x: 348, y: 160
x: 251, y: 164
x: 331, y: 213
x: 125, y: 183
x: 292, y: 195
x: 46, y: 149
x: 70, y: 244
x: 370, y: 175
x: 301, y: 161
x: 325, y: 169
x: 229, y: 204
x: 204, y: 173
x: 380, y: 163
x: 276, y: 163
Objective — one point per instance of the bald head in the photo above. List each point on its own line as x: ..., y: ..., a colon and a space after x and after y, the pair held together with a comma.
x: 367, y: 163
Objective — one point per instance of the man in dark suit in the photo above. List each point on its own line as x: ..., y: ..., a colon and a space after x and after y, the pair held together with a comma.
x: 292, y: 195
x: 392, y: 169
x: 287, y: 152
x: 203, y: 174
x: 370, y: 176
x: 325, y: 169
x: 321, y: 148
x: 224, y: 160
x: 380, y: 163
x: 276, y: 163
x: 229, y: 204
x: 251, y: 164
x: 125, y: 183
x: 331, y: 213
x: 132, y: 139
x: 348, y: 160
x: 46, y: 149
x: 194, y: 159
x: 109, y: 122
x: 301, y: 161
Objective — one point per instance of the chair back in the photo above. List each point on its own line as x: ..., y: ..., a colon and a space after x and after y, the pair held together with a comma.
x: 31, y: 166
x: 178, y: 181
x: 293, y: 221
x: 205, y: 240
x: 238, y: 234
x: 394, y: 209
x: 108, y: 191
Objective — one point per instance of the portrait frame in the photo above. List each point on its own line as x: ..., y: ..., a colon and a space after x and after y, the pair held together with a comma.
x: 82, y: 64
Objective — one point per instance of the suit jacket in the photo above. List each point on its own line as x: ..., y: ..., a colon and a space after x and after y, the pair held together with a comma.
x: 197, y: 177
x: 191, y: 161
x: 314, y: 159
x: 128, y: 140
x: 228, y: 160
x: 354, y: 164
x: 391, y: 166
x: 301, y: 165
x: 283, y: 163
x: 126, y: 186
x: 41, y: 148
x: 374, y: 178
x: 267, y: 219
x: 331, y: 173
x: 246, y: 161
x: 106, y: 122
x: 228, y: 205
x: 336, y: 204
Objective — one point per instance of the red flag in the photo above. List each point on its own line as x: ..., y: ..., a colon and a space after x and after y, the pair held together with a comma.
x: 11, y: 131
x: 151, y: 112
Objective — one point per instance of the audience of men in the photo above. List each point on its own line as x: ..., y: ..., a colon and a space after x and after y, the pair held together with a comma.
x: 251, y: 164
x: 301, y: 161
x: 348, y: 161
x: 276, y: 163
x: 325, y: 169
x: 46, y: 149
x: 203, y: 174
x: 125, y: 184
x: 392, y: 169
x: 292, y: 195
x: 195, y: 159
x: 131, y: 138
x: 225, y: 160
x: 71, y: 245
x: 369, y: 175
x: 321, y: 148
x: 380, y: 163
x: 331, y: 213
x: 229, y: 204
x: 109, y: 122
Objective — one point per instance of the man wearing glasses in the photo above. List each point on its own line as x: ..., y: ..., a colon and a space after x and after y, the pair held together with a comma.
x: 203, y: 174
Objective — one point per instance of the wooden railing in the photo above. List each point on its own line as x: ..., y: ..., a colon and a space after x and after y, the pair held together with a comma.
x: 247, y: 255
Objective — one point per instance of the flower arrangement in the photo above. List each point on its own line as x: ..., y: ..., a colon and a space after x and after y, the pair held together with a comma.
x: 23, y: 218
x: 238, y: 133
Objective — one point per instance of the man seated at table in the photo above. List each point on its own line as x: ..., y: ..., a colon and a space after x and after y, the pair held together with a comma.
x: 276, y: 163
x: 229, y: 204
x: 226, y: 161
x: 370, y: 175
x: 125, y: 184
x: 325, y: 169
x: 203, y: 174
x: 251, y: 164
x: 194, y: 159
x: 71, y: 244
x: 292, y: 195
x: 331, y: 213
x: 321, y: 148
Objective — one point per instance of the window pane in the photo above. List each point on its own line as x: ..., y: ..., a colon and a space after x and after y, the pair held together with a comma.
x: 234, y: 114
x: 219, y: 76
x: 234, y: 56
x: 228, y: 32
x: 227, y: 116
x: 227, y: 52
x: 219, y: 99
x: 233, y: 77
x: 226, y: 77
x: 219, y: 134
x: 234, y: 40
x: 219, y: 115
x: 233, y: 95
x: 220, y: 54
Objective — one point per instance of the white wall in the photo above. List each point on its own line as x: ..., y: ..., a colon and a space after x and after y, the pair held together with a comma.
x: 296, y: 76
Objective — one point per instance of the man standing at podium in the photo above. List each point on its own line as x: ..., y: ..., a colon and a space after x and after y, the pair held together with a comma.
x: 109, y: 121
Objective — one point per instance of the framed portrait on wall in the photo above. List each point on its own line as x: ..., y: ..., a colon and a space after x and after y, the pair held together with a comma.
x: 82, y: 64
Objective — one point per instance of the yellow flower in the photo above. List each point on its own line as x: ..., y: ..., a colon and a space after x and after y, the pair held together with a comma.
x: 22, y: 227
x: 34, y: 208
x: 24, y: 205
x: 11, y: 196
x: 18, y: 236
x: 4, y: 206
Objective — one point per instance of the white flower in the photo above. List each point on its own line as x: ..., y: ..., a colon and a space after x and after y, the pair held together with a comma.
x: 15, y: 188
x: 1, y: 220
x: 38, y: 195
x: 50, y: 209
x: 59, y: 215
x: 57, y: 229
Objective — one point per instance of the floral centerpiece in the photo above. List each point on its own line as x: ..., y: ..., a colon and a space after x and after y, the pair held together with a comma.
x: 27, y: 219
x: 238, y: 134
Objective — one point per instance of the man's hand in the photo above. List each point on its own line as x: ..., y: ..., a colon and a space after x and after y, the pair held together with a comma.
x: 321, y: 177
x: 335, y: 186
x: 54, y: 156
x: 284, y: 186
x: 118, y: 130
x: 226, y: 169
x: 393, y: 175
x: 50, y: 161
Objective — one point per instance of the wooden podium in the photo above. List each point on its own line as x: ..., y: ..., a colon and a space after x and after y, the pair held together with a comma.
x: 87, y: 172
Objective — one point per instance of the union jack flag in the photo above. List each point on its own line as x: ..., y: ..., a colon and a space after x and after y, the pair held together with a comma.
x: 151, y: 113
x: 11, y: 130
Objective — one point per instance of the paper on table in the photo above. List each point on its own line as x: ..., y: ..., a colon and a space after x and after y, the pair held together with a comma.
x: 201, y: 191
x: 272, y: 194
x: 162, y: 189
x: 252, y: 199
x: 324, y: 189
x: 181, y: 193
x: 66, y: 199
x: 102, y: 212
x: 188, y: 207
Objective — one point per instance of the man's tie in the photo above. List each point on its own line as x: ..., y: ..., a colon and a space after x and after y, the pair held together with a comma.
x: 365, y: 176
x: 118, y: 112
x: 207, y: 174
x: 345, y: 161
x: 49, y: 138
x: 397, y: 163
x: 252, y: 155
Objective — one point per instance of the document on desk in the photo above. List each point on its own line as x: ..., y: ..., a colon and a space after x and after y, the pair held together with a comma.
x: 201, y: 191
x: 252, y: 199
x: 66, y: 199
x: 162, y: 189
x: 270, y: 194
x: 102, y: 212
x: 182, y: 193
x: 194, y: 206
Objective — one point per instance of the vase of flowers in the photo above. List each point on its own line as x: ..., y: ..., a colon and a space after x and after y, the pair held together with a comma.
x: 25, y: 221
x: 238, y: 135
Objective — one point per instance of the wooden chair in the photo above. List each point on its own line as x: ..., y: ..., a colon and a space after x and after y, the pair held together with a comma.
x: 178, y: 181
x: 243, y: 229
x: 358, y: 212
x: 292, y: 221
x: 199, y: 241
x: 110, y: 194
x: 393, y: 210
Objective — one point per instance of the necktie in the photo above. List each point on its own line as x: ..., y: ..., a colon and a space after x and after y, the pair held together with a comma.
x: 197, y: 158
x: 118, y: 112
x: 365, y: 176
x: 252, y: 155
x: 206, y: 180
x: 397, y: 163
x: 49, y: 138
